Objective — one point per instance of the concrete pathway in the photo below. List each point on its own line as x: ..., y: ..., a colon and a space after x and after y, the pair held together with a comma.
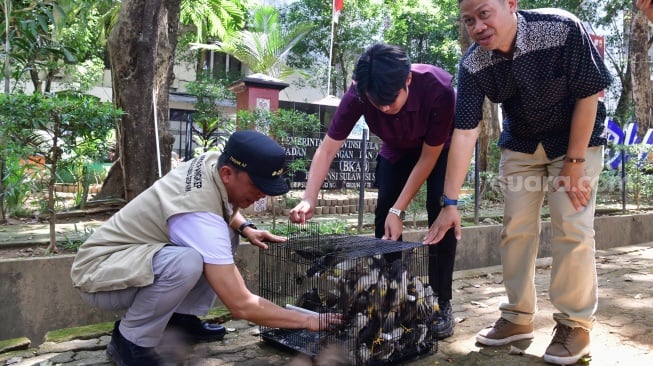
x: 623, y: 334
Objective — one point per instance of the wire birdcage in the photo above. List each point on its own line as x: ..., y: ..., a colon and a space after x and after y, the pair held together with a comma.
x: 379, y: 286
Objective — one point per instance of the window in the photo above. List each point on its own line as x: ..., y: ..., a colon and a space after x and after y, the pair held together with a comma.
x: 222, y: 65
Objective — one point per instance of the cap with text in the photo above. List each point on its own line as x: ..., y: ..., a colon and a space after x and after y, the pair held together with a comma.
x: 261, y: 157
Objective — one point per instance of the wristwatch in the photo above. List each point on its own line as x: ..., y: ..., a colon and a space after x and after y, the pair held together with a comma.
x: 243, y: 226
x: 397, y: 212
x: 446, y: 201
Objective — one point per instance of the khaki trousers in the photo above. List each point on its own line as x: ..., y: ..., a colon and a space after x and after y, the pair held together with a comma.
x: 525, y: 180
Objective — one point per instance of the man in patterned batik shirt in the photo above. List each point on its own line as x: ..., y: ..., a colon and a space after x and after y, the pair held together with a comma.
x: 543, y: 68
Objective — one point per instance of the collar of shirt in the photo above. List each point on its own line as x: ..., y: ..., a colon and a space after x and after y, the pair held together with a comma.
x: 520, y: 40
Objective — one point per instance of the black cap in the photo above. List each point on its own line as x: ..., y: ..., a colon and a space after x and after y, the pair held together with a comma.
x: 261, y: 157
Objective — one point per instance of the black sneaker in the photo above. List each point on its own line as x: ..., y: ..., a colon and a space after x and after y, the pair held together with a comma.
x: 444, y: 322
x: 124, y: 353
x: 196, y: 329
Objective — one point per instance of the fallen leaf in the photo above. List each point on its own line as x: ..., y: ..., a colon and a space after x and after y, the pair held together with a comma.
x: 515, y: 351
x: 628, y: 278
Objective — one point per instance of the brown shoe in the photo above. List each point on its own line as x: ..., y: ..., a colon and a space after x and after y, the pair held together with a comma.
x: 568, y: 345
x: 504, y: 332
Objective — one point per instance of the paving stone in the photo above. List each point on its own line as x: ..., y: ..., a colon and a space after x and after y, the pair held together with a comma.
x: 65, y: 357
x: 74, y: 345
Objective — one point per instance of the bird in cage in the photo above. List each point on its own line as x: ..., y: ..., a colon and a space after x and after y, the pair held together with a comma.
x: 392, y: 328
x: 372, y: 331
x: 310, y: 300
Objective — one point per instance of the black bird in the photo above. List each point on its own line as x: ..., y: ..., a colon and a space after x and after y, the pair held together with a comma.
x: 310, y: 300
x: 310, y: 253
x: 313, y: 252
x: 361, y: 303
x: 325, y: 262
x: 371, y: 333
x: 332, y: 298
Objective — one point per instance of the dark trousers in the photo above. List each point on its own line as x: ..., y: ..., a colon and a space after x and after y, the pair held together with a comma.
x: 390, y: 180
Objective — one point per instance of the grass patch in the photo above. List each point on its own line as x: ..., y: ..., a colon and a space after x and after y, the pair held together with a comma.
x: 84, y: 332
x: 218, y: 315
x: 14, y: 344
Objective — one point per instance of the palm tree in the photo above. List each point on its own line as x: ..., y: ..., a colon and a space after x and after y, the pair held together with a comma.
x: 264, y: 45
x: 212, y: 19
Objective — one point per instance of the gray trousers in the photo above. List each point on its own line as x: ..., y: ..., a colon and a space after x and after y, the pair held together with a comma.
x: 179, y: 287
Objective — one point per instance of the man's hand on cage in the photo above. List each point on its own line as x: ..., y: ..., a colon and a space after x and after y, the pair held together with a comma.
x: 302, y: 212
x: 259, y: 237
x: 324, y: 321
x: 448, y: 218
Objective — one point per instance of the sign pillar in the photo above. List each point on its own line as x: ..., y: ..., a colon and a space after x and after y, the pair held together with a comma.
x: 258, y: 91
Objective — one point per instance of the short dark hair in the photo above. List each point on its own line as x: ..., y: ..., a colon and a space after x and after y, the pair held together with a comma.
x: 381, y: 71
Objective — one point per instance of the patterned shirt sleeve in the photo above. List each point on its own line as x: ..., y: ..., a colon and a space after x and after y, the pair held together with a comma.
x: 586, y: 71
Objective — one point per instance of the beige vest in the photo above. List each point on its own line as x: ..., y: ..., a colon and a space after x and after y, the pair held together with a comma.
x: 119, y: 253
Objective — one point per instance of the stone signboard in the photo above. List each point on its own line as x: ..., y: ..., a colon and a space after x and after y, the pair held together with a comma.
x: 348, y: 166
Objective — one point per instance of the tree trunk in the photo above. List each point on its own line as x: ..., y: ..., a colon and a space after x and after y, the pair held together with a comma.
x: 141, y: 50
x: 3, y: 167
x: 641, y: 73
x: 55, y: 154
x: 625, y: 103
x: 488, y: 134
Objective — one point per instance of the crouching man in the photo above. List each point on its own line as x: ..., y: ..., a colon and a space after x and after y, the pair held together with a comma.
x: 164, y: 256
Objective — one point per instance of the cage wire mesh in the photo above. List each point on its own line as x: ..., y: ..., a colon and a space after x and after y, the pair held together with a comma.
x: 379, y: 286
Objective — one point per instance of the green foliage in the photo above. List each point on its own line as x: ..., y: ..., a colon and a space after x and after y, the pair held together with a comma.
x: 18, y: 184
x: 610, y: 187
x: 324, y: 228
x: 84, y: 332
x: 84, y: 76
x: 78, y: 238
x: 574, y: 6
x: 212, y: 19
x: 281, y: 124
x: 35, y: 39
x: 360, y: 24
x: 75, y: 127
x: 296, y: 166
x: 418, y: 204
x: 264, y: 44
x: 290, y: 202
x: 211, y: 126
x: 639, y: 170
x: 427, y: 30
x: 490, y: 189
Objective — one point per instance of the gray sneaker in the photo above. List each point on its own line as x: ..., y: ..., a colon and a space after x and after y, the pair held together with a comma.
x: 568, y: 345
x: 504, y: 332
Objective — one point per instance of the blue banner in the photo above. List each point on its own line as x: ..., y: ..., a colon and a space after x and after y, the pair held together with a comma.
x: 628, y: 136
